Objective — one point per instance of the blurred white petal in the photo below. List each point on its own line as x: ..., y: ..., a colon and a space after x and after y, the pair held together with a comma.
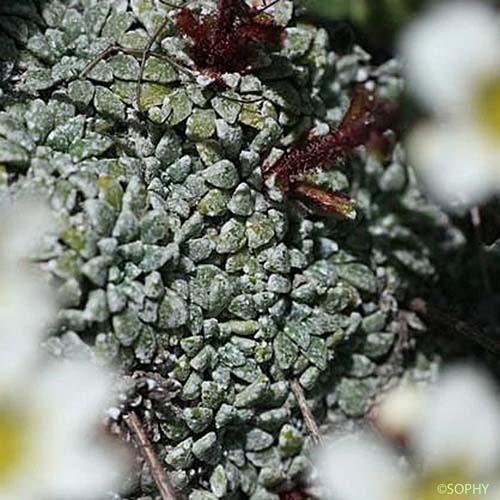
x: 23, y: 224
x: 88, y: 472
x: 65, y: 454
x: 448, y: 51
x: 80, y: 390
x: 456, y: 164
x: 400, y: 411
x: 493, y: 491
x: 26, y: 303
x: 461, y: 422
x: 49, y: 412
x: 358, y: 468
x: 26, y: 308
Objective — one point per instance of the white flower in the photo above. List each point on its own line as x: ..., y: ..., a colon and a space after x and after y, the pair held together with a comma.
x: 453, y: 439
x: 49, y: 445
x: 26, y: 304
x: 22, y: 225
x: 397, y: 413
x: 49, y: 412
x: 452, y: 62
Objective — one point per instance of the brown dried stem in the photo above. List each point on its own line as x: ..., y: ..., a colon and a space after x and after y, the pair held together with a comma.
x: 309, y: 419
x: 146, y: 450
x: 452, y: 325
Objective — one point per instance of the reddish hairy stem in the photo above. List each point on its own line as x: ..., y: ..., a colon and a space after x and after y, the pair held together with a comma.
x: 328, y: 200
x: 187, y: 23
x: 366, y: 116
x: 226, y: 40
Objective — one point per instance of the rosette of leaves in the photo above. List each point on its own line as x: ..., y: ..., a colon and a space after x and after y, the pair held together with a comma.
x: 173, y: 261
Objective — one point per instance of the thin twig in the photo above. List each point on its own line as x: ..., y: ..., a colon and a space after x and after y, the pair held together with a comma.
x: 146, y: 450
x: 475, y: 216
x: 143, y: 54
x: 242, y: 101
x: 144, y: 57
x: 265, y: 7
x: 455, y: 326
x: 112, y: 49
x: 309, y: 419
x: 100, y: 57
